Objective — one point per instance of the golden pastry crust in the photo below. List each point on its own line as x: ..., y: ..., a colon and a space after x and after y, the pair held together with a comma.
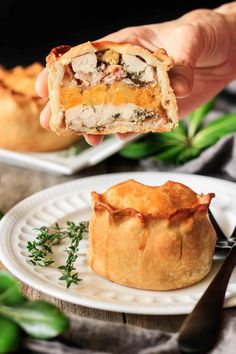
x: 156, y: 238
x: 62, y: 56
x: 20, y: 109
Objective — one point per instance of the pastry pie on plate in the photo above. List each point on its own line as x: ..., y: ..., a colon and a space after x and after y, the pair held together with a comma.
x: 19, y: 115
x: 156, y: 238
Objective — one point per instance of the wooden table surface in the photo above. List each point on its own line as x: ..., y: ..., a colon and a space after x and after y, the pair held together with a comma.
x: 18, y: 183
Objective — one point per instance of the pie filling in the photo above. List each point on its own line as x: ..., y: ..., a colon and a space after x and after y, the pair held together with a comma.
x: 99, y: 88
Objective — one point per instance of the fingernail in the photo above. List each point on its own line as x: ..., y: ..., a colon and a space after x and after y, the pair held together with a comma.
x: 180, y: 85
x: 181, y: 81
x: 44, y: 116
x: 126, y: 136
x: 93, y: 139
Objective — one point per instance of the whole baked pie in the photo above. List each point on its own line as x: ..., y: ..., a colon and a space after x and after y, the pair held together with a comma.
x: 19, y: 113
x: 157, y: 238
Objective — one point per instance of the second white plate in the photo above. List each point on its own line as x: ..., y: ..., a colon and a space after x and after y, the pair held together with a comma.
x: 71, y: 201
x: 66, y: 162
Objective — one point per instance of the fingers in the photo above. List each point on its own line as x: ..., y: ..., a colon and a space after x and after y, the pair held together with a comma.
x: 93, y: 139
x: 45, y: 116
x: 129, y: 35
x: 114, y: 37
x: 126, y: 136
x: 41, y: 85
x: 228, y: 10
x: 97, y: 139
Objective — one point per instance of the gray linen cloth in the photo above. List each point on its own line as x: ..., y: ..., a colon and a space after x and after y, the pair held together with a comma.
x: 218, y: 160
x: 89, y: 336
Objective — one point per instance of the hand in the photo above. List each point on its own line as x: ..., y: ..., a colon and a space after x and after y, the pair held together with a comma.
x: 203, y: 45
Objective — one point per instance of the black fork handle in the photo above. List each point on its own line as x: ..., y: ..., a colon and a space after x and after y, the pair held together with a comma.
x: 201, y: 328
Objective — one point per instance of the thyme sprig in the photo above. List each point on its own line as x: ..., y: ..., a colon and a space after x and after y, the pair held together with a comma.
x: 40, y: 250
x: 41, y: 247
x: 75, y: 233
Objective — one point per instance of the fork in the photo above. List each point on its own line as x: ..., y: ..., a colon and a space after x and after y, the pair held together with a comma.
x: 223, y: 243
x: 201, y: 328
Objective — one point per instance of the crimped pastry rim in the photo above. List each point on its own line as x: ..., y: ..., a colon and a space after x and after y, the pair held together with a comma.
x: 99, y: 205
x: 17, y: 96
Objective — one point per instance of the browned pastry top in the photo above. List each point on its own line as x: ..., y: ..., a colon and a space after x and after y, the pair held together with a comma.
x: 162, y: 201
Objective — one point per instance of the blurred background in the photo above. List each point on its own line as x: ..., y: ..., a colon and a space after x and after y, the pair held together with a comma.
x: 29, y: 29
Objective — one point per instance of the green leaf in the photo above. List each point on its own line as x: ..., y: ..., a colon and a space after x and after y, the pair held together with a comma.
x: 10, y: 293
x: 154, y: 143
x: 181, y: 128
x: 166, y: 142
x: 39, y: 319
x: 1, y: 214
x: 187, y: 154
x: 169, y: 155
x: 177, y: 134
x: 9, y: 336
x: 166, y: 138
x: 196, y: 118
x: 138, y: 150
x: 215, y: 130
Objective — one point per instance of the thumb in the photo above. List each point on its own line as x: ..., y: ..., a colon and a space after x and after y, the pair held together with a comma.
x: 182, y: 79
x: 184, y: 45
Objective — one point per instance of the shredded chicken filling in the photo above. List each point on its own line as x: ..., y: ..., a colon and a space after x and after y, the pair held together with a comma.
x: 126, y: 84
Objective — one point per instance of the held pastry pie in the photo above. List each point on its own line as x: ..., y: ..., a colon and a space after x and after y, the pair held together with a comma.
x: 19, y: 114
x: 157, y: 238
x: 107, y: 87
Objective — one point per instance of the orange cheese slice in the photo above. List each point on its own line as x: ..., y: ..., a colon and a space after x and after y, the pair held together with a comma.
x: 118, y: 93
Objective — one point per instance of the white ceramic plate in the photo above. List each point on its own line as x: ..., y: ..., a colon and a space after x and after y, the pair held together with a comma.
x: 66, y: 161
x: 71, y: 201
